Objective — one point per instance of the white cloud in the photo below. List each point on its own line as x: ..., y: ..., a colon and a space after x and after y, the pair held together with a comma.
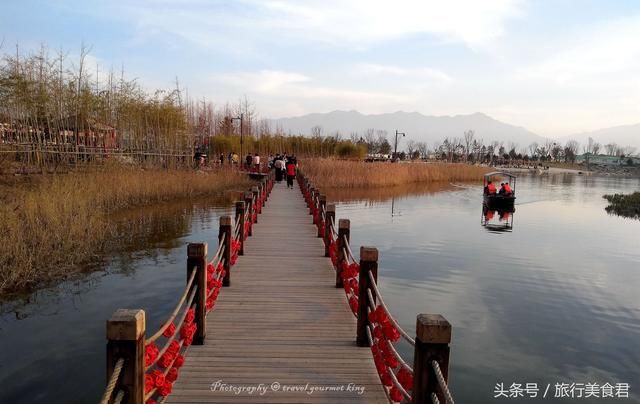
x: 413, y: 73
x: 600, y: 53
x: 362, y: 22
x: 263, y: 82
x: 285, y: 93
x: 356, y: 23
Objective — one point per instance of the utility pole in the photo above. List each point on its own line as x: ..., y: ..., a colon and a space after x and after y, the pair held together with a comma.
x: 395, y: 147
x: 241, y: 118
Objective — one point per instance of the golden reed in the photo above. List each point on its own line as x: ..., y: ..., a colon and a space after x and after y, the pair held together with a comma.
x: 330, y: 173
x: 51, y: 226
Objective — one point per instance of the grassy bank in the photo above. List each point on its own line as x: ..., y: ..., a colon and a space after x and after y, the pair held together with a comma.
x: 329, y: 173
x: 624, y: 205
x: 51, y: 226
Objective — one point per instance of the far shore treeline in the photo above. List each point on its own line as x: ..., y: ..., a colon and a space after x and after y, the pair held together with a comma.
x: 55, y: 109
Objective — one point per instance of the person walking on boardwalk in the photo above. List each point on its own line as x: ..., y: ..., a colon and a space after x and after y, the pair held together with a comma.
x: 256, y: 162
x: 279, y: 167
x: 291, y: 173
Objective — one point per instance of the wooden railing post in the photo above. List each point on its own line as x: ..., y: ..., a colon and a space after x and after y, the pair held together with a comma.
x: 368, y: 263
x: 344, y: 232
x: 224, y: 236
x: 312, y: 193
x: 125, y: 339
x: 248, y: 205
x: 256, y: 197
x: 331, y: 217
x: 260, y: 197
x: 197, y: 261
x: 240, y: 220
x: 322, y: 205
x: 433, y: 335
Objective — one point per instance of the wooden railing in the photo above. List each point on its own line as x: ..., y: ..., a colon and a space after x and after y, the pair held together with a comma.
x: 427, y: 380
x: 138, y: 371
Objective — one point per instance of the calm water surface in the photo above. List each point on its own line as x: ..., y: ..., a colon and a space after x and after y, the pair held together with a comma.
x: 53, y: 346
x: 554, y: 300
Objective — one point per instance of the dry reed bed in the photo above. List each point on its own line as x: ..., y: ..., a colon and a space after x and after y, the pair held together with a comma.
x: 50, y: 227
x: 329, y: 173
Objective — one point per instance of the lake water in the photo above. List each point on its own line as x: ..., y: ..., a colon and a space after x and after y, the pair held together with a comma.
x: 555, y: 300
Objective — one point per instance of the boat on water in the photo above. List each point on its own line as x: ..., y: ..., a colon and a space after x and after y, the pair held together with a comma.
x: 495, y: 198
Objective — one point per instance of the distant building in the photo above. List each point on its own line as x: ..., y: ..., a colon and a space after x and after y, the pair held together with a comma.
x: 606, y: 160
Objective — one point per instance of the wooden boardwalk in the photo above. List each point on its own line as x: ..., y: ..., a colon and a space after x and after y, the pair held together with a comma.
x: 281, y: 325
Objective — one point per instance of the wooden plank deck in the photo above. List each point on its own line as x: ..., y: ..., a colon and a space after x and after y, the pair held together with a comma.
x: 281, y: 323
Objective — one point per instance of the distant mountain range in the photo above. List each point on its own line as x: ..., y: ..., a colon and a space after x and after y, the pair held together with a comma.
x: 626, y: 135
x: 430, y: 129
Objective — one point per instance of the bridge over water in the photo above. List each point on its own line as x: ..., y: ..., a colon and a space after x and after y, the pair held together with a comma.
x: 282, y: 312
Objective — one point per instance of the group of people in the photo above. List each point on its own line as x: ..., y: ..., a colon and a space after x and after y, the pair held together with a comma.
x: 285, y: 166
x: 505, y: 189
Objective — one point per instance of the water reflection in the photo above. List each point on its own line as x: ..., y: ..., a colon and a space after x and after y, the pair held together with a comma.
x: 497, y: 220
x: 384, y: 194
x: 555, y: 301
x: 57, y: 334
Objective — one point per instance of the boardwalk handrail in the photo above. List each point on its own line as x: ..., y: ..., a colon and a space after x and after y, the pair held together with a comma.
x: 137, y: 370
x: 376, y: 326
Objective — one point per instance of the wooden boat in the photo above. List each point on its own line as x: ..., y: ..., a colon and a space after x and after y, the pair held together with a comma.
x: 499, y: 200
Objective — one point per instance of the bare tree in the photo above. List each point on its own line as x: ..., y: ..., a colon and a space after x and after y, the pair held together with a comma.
x: 611, y: 149
x: 571, y: 150
x: 411, y: 147
x: 317, y: 131
x: 422, y: 149
x: 468, y: 139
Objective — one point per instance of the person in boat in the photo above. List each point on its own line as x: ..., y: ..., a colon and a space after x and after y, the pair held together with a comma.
x: 507, y: 189
x: 490, y: 188
x: 501, y: 191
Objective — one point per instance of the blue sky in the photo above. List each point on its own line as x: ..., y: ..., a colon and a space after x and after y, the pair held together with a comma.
x: 554, y: 66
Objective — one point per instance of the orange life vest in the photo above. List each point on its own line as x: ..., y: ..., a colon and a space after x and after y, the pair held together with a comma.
x: 491, y: 188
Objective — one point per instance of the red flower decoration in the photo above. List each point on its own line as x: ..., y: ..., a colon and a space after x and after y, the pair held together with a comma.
x: 149, y: 383
x: 191, y: 315
x: 165, y: 389
x: 395, y: 394
x: 169, y: 331
x: 179, y: 361
x: 391, y: 361
x: 166, y: 359
x: 172, y: 376
x: 158, y: 378
x: 405, y: 378
x: 210, y: 268
x: 386, y: 379
x: 390, y: 332
x: 150, y: 353
x: 174, y: 347
x: 353, y: 303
